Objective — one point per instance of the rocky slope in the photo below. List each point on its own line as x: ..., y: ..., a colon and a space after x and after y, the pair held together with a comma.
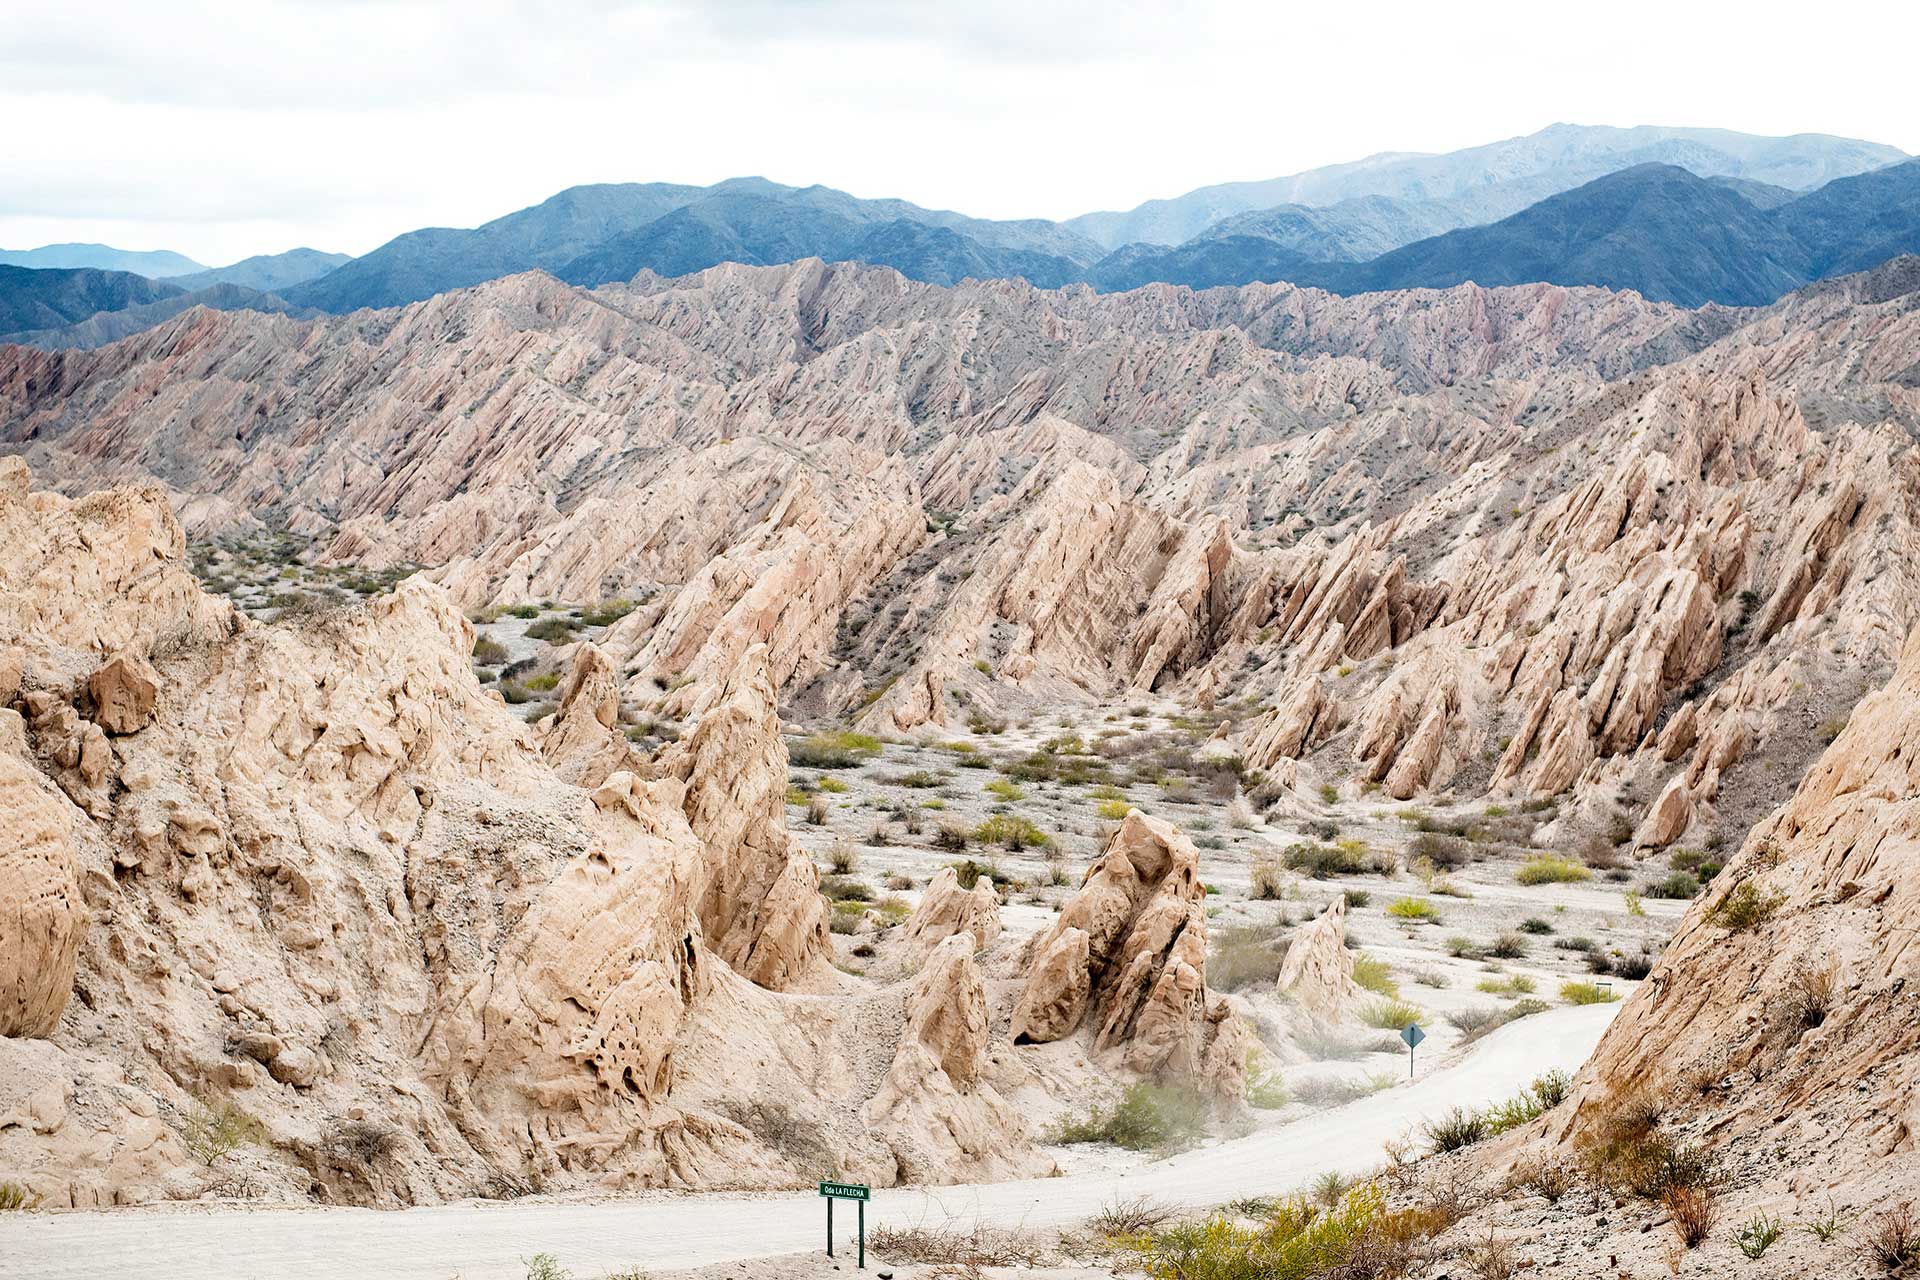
x: 1517, y: 541
x: 310, y: 876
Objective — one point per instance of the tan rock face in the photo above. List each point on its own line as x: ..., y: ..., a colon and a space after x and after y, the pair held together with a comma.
x: 331, y: 877
x: 760, y: 903
x: 945, y: 909
x: 42, y: 917
x: 122, y: 693
x: 1317, y: 973
x: 1130, y: 950
x: 1793, y: 1007
x: 936, y: 1109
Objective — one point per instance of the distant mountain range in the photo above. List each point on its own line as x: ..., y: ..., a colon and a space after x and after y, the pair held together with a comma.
x: 80, y: 307
x: 1657, y: 229
x: 155, y: 264
x: 1482, y: 184
x: 1682, y: 215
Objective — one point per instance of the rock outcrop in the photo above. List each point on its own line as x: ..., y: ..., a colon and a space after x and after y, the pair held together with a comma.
x: 945, y: 909
x: 1130, y: 952
x: 937, y: 1109
x: 325, y: 880
x: 1317, y: 974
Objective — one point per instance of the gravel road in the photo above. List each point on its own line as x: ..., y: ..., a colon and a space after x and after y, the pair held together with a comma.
x: 487, y: 1241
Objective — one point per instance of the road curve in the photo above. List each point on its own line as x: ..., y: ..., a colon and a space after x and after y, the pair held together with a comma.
x: 488, y: 1241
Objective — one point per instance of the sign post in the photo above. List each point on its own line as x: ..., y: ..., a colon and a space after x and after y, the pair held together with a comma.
x: 1413, y: 1035
x: 859, y: 1193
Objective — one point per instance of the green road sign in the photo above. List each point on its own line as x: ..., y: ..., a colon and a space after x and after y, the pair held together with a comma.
x: 858, y: 1192
x: 846, y: 1190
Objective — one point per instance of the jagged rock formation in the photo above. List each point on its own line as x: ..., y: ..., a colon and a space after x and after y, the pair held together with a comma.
x: 1530, y: 541
x: 938, y: 1108
x: 946, y: 910
x: 1317, y: 973
x: 316, y: 873
x: 1130, y: 952
x: 1786, y: 1027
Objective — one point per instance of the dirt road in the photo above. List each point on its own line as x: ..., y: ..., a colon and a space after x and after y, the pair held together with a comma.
x: 488, y: 1241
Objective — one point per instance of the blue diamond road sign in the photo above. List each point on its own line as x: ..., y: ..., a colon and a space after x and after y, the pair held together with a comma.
x: 1413, y: 1035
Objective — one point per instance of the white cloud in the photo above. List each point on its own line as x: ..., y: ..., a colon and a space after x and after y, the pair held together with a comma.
x: 222, y: 129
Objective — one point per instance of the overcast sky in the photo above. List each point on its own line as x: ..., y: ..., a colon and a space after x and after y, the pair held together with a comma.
x: 225, y: 129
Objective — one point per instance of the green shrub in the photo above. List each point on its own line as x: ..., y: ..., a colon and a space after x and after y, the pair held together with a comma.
x: 1268, y: 1093
x: 1148, y: 1117
x: 1005, y: 790
x: 1548, y: 869
x: 1388, y: 1014
x: 488, y: 651
x: 1375, y: 975
x: 1458, y: 1129
x: 1016, y: 833
x: 1678, y: 885
x: 543, y: 683
x: 1349, y: 858
x: 1113, y: 810
x: 553, y: 630
x: 1744, y: 907
x: 841, y: 750
x: 1535, y: 926
x: 1586, y: 993
x: 1413, y: 909
x: 1296, y: 1240
x: 1514, y: 984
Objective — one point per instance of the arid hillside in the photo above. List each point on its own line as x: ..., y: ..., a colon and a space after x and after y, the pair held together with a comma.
x: 1530, y: 541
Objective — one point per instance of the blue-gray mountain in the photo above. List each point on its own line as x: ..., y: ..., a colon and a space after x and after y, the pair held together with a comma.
x: 155, y: 264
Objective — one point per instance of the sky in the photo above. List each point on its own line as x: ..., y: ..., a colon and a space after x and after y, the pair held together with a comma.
x: 226, y: 129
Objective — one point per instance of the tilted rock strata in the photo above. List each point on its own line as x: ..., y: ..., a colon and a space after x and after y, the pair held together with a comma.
x: 1129, y: 953
x: 334, y: 883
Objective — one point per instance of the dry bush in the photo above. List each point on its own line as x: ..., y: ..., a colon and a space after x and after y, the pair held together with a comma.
x: 1269, y: 881
x: 817, y: 811
x: 1130, y: 1217
x: 961, y: 1247
x: 1891, y: 1240
x: 1693, y: 1210
x: 211, y: 1131
x: 1810, y: 996
x: 1491, y: 1258
x: 1547, y: 1176
x: 1240, y: 814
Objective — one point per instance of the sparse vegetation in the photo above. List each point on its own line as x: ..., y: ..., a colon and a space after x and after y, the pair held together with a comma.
x: 212, y: 1131
x: 1148, y: 1117
x: 15, y: 1198
x: 1416, y: 909
x: 1757, y: 1234
x: 1583, y: 992
x: 1744, y: 907
x: 1549, y: 869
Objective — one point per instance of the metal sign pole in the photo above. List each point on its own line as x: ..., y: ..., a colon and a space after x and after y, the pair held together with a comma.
x: 863, y: 1231
x: 829, y: 1226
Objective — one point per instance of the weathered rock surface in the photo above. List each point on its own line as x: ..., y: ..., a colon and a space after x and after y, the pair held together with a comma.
x: 1317, y: 973
x: 328, y: 880
x: 1130, y: 952
x: 945, y: 909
